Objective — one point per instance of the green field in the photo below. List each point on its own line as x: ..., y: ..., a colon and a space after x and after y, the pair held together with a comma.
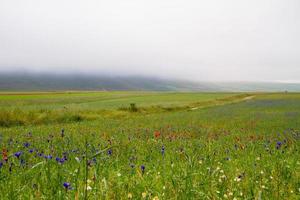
x: 94, y: 145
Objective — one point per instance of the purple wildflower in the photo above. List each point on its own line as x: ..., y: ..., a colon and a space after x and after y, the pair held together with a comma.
x: 109, y: 152
x: 278, y: 145
x: 18, y: 154
x: 67, y: 185
x: 62, y: 160
x: 26, y: 144
x: 48, y: 157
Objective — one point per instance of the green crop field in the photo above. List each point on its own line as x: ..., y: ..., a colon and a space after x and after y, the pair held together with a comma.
x: 149, y: 145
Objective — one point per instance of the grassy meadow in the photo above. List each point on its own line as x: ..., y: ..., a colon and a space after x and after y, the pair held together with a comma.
x: 149, y: 145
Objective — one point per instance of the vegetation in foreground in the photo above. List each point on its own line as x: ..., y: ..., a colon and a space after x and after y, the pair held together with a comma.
x: 212, y: 146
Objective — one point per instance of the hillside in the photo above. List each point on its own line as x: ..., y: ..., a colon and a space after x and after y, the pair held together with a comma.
x: 49, y: 82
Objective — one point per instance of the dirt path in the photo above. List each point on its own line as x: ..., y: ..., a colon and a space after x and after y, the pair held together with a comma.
x: 248, y: 98
x: 224, y: 103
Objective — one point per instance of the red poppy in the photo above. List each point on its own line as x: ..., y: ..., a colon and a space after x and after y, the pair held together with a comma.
x: 4, y: 154
x: 156, y: 134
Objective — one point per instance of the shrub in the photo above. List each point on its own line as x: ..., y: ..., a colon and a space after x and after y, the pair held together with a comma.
x: 133, y: 108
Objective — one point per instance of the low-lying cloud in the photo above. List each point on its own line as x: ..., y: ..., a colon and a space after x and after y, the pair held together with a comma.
x: 197, y: 40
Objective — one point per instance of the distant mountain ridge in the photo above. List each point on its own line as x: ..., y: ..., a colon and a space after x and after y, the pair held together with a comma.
x: 51, y: 82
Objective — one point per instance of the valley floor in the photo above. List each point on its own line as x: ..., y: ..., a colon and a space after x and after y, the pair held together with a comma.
x: 150, y: 145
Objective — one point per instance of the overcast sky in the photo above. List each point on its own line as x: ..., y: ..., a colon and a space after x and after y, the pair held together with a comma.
x: 250, y: 40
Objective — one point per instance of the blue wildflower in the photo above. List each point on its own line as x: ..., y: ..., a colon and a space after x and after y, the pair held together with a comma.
x: 163, y: 150
x: 48, y: 157
x: 26, y: 144
x: 67, y: 185
x: 31, y: 151
x: 62, y: 160
x: 18, y: 154
x: 143, y: 168
x: 278, y: 145
x: 109, y: 152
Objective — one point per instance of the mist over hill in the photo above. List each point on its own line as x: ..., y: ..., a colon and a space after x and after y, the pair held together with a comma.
x: 54, y: 82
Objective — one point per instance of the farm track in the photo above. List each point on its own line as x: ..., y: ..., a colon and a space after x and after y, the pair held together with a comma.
x: 224, y: 101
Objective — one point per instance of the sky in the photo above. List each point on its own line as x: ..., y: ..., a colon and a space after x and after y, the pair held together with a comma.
x: 215, y: 40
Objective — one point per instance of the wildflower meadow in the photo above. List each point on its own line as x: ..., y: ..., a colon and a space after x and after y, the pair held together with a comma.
x: 150, y: 145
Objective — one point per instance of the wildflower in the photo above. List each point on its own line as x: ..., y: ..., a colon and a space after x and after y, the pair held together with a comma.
x: 129, y: 195
x: 18, y: 154
x: 48, y: 157
x: 31, y: 151
x: 238, y: 179
x: 119, y: 174
x: 67, y: 185
x: 89, y: 187
x: 26, y: 144
x: 156, y: 198
x: 77, y: 159
x: 156, y: 134
x: 1, y: 164
x: 4, y: 154
x: 278, y: 145
x: 62, y: 160
x: 144, y: 195
x: 109, y: 152
x: 143, y: 168
x: 65, y: 155
x: 163, y: 150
